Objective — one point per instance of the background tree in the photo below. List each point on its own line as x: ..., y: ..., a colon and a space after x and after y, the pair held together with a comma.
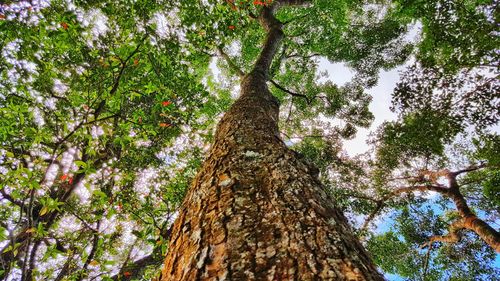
x: 96, y: 145
x: 434, y: 166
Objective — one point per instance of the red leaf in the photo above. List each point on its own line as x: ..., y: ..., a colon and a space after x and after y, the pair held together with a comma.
x: 232, y: 27
x: 64, y: 177
x: 127, y: 274
x: 64, y: 25
x: 70, y: 181
x: 165, y: 103
x: 136, y: 61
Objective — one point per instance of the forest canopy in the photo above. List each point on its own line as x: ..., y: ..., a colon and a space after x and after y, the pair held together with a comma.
x: 108, y: 108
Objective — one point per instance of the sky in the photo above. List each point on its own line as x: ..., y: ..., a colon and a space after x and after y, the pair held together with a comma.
x: 381, y: 94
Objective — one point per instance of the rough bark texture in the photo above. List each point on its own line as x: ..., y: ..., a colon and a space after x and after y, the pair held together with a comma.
x: 256, y: 211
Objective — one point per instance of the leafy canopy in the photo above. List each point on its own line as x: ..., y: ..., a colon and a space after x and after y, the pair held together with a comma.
x: 106, y: 109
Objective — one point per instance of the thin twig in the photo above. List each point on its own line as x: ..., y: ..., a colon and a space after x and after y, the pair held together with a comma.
x: 230, y: 62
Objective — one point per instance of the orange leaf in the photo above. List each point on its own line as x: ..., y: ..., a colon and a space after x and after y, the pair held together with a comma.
x: 64, y: 177
x: 136, y: 61
x: 127, y: 274
x: 232, y: 27
x: 165, y: 103
x: 165, y: 125
x: 2, y: 16
x: 64, y: 25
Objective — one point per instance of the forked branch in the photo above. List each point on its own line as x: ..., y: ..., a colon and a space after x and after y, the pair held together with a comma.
x: 453, y: 235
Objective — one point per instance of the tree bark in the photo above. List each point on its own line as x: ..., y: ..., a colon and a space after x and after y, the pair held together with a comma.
x: 471, y: 221
x: 255, y: 211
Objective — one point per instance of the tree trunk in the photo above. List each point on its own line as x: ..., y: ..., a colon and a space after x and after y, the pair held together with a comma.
x: 256, y: 211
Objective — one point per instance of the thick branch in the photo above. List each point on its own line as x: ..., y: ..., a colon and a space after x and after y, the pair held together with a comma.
x: 135, y: 268
x: 9, y: 198
x: 469, y: 169
x: 273, y: 39
x: 469, y: 220
x: 483, y: 230
x: 92, y: 253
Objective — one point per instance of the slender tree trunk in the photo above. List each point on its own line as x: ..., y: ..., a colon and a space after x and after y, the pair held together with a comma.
x: 256, y: 211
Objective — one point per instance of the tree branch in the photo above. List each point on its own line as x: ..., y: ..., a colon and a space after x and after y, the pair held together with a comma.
x: 469, y: 220
x: 380, y: 203
x: 135, y: 268
x: 274, y: 36
x: 427, y: 187
x: 289, y: 92
x: 470, y: 169
x: 11, y: 199
x: 93, y: 250
x: 230, y: 62
x: 301, y: 56
x: 373, y: 214
x: 276, y: 66
x: 453, y: 235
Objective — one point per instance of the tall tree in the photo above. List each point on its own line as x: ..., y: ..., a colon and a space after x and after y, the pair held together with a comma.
x: 256, y: 211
